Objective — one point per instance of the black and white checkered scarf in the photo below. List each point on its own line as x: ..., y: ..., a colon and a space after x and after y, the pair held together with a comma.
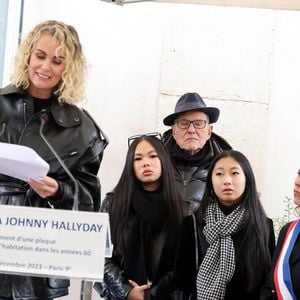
x: 218, y: 265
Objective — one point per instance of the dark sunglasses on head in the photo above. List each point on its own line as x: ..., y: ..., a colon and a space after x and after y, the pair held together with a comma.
x: 152, y: 134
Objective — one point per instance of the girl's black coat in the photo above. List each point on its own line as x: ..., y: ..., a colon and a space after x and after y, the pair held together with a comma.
x: 193, y: 239
x: 116, y: 286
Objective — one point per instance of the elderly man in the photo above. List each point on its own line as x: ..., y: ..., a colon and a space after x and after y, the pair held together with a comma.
x: 192, y: 145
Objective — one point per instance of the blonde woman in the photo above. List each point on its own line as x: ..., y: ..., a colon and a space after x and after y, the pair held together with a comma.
x: 47, y: 81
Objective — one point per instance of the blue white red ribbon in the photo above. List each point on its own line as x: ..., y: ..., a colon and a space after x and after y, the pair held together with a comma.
x: 282, y: 272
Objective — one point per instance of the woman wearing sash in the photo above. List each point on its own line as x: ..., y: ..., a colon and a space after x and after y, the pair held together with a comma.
x: 285, y: 280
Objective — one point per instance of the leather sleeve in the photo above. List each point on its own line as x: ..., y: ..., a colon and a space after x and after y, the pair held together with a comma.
x: 114, y: 282
x: 114, y: 279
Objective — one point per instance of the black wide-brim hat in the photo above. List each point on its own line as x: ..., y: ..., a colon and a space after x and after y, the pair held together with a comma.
x: 192, y: 102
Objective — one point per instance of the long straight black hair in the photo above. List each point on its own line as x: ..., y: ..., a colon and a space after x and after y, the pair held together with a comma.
x: 122, y: 195
x: 256, y: 255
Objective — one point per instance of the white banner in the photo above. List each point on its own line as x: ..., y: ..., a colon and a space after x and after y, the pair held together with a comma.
x: 53, y: 242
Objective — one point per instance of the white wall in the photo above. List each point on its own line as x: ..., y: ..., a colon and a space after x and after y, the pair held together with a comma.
x: 11, y: 44
x: 246, y: 62
x: 283, y: 143
x: 143, y: 56
x: 124, y: 47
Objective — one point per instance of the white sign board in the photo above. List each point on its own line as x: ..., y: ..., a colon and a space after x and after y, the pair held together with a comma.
x: 53, y: 242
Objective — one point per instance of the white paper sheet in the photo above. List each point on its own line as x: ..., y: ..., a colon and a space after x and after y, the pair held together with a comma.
x: 21, y: 162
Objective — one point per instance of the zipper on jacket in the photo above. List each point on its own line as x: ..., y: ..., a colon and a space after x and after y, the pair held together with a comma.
x: 62, y: 156
x: 24, y: 121
x: 24, y: 113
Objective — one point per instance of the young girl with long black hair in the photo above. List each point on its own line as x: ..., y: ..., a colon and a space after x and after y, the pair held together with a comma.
x: 226, y: 248
x: 145, y: 215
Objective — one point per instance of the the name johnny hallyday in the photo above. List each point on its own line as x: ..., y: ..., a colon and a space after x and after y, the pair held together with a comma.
x: 59, y: 225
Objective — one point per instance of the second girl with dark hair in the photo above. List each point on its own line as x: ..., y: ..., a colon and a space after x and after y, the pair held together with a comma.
x: 145, y: 215
x: 226, y: 248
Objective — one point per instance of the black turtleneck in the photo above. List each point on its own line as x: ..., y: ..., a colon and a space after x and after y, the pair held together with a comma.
x: 184, y: 157
x: 227, y: 209
x: 40, y: 104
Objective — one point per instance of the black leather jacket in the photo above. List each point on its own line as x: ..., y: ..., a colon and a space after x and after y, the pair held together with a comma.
x: 191, y: 179
x: 115, y: 286
x: 79, y: 143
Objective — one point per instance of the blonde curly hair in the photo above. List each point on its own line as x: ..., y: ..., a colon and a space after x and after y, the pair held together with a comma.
x: 71, y: 87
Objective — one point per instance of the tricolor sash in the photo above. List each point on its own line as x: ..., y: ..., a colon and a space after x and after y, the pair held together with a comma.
x: 282, y: 272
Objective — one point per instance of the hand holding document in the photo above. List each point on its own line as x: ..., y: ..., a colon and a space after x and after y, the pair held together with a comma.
x: 21, y: 162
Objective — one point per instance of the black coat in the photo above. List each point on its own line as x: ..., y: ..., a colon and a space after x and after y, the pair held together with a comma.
x: 78, y: 141
x: 188, y: 262
x: 115, y: 285
x: 191, y: 177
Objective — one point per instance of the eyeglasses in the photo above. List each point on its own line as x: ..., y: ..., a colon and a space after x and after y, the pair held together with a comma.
x: 185, y: 124
x: 152, y: 134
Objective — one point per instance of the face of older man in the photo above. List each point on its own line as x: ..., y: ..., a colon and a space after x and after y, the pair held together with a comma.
x: 191, y: 131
